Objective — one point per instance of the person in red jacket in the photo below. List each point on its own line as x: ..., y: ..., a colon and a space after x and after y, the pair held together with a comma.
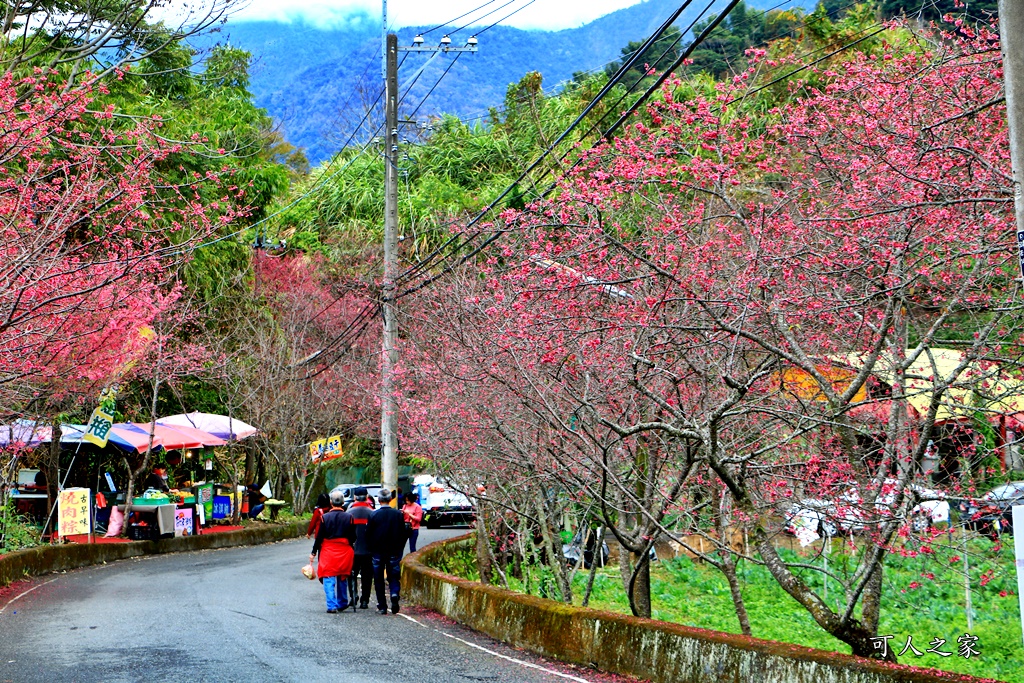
x: 413, y: 514
x: 323, y: 505
x: 333, y: 544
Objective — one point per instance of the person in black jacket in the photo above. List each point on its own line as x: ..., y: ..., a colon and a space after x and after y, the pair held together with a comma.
x: 386, y: 535
x: 360, y: 510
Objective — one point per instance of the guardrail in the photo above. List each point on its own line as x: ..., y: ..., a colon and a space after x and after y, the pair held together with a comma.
x: 54, y: 558
x: 651, y: 650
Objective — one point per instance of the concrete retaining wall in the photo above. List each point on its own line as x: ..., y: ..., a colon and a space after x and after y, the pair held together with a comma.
x: 53, y: 558
x: 652, y: 650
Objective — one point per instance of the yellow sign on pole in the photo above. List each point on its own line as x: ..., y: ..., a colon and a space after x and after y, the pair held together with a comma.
x: 317, y: 449
x: 73, y: 512
x: 102, y: 419
x: 333, y: 448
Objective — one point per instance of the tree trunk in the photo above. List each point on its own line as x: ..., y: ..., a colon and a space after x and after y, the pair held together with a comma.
x: 851, y: 631
x: 552, y: 550
x: 625, y: 568
x: 483, y: 545
x: 729, y: 569
x: 596, y: 560
x: 871, y: 604
x: 640, y: 599
x: 51, y: 467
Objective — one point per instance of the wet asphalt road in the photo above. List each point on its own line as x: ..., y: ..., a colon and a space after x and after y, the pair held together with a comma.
x: 238, y: 614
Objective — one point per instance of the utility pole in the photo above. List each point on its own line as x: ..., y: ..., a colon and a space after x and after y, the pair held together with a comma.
x: 1011, y: 37
x: 388, y: 423
x: 384, y: 40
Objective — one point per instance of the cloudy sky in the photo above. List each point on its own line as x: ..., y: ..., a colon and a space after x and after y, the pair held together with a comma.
x: 543, y: 14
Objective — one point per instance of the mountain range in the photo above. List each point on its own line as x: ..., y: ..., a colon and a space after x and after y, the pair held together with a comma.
x: 318, y: 82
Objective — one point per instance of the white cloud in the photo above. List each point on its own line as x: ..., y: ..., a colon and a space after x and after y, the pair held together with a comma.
x: 541, y: 14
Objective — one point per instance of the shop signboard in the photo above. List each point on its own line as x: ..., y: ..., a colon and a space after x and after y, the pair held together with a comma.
x: 73, y: 512
x: 184, y: 522
x: 102, y: 419
x: 204, y: 498
x: 317, y: 449
x: 333, y: 448
x: 221, y: 507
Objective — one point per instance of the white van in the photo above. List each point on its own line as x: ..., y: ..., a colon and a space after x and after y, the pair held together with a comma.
x: 441, y: 503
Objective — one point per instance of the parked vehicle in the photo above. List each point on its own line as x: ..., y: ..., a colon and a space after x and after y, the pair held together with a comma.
x: 850, y: 512
x: 441, y: 503
x: 346, y: 489
x: 992, y: 513
x: 571, y: 551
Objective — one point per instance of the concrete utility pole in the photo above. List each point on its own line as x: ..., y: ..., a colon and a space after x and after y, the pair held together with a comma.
x: 1011, y: 36
x: 384, y: 40
x: 388, y: 423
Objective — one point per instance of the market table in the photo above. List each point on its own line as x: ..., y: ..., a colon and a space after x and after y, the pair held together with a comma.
x: 274, y: 507
x: 164, y: 515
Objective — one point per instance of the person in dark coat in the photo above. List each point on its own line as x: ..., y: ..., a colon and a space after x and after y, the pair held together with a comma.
x: 362, y: 566
x: 333, y: 543
x: 386, y: 535
x: 157, y: 479
x: 256, y: 500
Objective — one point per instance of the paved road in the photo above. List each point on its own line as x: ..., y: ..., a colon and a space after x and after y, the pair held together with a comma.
x: 239, y: 614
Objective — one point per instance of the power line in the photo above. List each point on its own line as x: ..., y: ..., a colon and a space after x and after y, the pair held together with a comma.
x: 619, y: 74
x: 320, y: 181
x: 749, y: 18
x: 358, y: 325
x: 488, y: 28
x: 605, y: 135
x: 466, y: 14
x: 412, y: 116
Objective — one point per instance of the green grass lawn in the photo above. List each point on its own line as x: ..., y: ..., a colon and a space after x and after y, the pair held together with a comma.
x: 914, y: 605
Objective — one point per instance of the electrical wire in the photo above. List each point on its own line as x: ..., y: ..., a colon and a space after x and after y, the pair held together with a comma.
x: 361, y: 322
x: 510, y: 14
x: 750, y: 17
x: 466, y: 14
x: 605, y: 135
x: 320, y: 181
x: 496, y: 9
x: 415, y: 111
x: 615, y: 78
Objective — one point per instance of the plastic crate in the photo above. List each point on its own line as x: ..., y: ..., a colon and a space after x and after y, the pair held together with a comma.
x: 142, y: 532
x: 162, y: 500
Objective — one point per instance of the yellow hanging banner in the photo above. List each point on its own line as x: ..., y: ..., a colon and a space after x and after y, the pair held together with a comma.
x: 333, y: 448
x: 317, y: 450
x: 102, y: 419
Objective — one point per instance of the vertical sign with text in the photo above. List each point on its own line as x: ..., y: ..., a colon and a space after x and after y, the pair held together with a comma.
x: 73, y: 515
x: 184, y: 522
x: 204, y: 499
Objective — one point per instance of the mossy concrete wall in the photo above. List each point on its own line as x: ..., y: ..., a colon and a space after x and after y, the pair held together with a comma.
x: 651, y: 650
x: 53, y: 558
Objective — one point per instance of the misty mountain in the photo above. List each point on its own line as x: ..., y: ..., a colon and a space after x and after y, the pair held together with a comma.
x: 319, y: 82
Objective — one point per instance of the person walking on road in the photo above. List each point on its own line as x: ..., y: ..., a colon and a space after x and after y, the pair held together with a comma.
x: 362, y: 565
x: 413, y: 514
x: 334, y: 540
x: 323, y: 505
x: 386, y: 533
